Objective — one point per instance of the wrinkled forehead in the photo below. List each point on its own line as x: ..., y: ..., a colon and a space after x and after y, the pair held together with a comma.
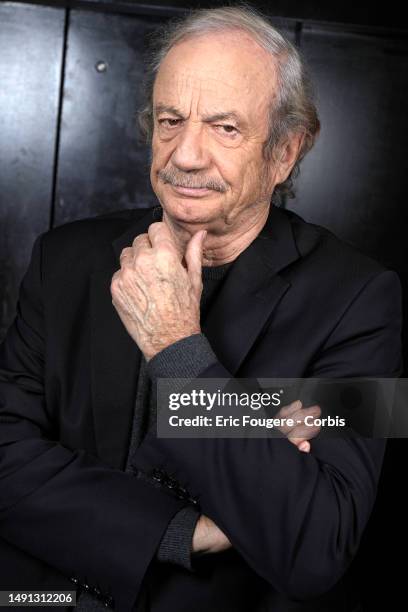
x: 210, y: 71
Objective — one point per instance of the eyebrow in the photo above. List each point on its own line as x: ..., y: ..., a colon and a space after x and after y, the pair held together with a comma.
x: 163, y: 108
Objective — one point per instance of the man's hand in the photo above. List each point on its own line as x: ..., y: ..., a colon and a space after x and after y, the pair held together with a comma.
x: 155, y: 295
x: 300, y: 433
x: 208, y: 537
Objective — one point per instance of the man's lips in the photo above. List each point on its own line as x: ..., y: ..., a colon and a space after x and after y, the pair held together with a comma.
x: 195, y: 192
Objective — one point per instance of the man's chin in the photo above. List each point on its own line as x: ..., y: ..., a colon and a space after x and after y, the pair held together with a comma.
x: 189, y: 210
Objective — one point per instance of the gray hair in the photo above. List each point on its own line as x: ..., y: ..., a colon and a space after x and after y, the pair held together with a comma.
x: 293, y: 109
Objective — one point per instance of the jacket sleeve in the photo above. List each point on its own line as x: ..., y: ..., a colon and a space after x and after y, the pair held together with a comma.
x: 296, y: 518
x: 92, y: 523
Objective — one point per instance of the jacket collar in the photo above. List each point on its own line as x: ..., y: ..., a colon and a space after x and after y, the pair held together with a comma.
x: 250, y: 292
x: 247, y: 298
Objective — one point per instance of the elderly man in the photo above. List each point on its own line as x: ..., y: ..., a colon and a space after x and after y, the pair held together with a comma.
x: 223, y: 284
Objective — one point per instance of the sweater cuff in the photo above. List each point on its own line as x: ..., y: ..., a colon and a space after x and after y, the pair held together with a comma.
x: 176, y: 544
x: 185, y: 358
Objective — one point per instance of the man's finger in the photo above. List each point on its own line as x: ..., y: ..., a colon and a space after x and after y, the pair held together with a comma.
x: 287, y: 411
x: 302, y: 444
x: 194, y: 259
x: 126, y: 257
x: 298, y: 417
x: 141, y: 243
x: 160, y: 235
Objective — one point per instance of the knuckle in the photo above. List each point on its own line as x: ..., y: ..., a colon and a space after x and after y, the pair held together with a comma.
x: 140, y: 239
x: 154, y: 227
x: 313, y: 411
x: 286, y: 411
x: 115, y: 281
x: 142, y: 259
x: 126, y: 252
x: 127, y: 275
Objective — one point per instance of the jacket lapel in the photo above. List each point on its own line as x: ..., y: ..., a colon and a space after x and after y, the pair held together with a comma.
x: 250, y: 292
x: 115, y: 359
x: 246, y: 300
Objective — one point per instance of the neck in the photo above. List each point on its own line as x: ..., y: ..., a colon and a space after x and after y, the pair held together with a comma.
x: 220, y: 247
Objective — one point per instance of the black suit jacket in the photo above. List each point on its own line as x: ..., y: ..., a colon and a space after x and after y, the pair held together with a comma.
x: 298, y: 302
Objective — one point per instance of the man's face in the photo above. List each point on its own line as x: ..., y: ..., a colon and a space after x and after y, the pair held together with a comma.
x: 210, y: 103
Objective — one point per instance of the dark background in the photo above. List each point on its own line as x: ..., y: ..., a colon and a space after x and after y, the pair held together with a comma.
x: 70, y: 86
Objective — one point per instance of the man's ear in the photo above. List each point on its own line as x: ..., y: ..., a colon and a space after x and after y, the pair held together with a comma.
x: 287, y: 154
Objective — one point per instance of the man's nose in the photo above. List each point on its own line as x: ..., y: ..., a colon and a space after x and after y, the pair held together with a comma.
x: 191, y: 152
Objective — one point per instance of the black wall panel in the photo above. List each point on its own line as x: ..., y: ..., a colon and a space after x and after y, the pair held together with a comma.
x: 31, y: 42
x: 102, y: 166
x: 353, y: 181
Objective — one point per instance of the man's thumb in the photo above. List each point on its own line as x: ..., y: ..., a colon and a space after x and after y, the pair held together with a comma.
x: 194, y: 258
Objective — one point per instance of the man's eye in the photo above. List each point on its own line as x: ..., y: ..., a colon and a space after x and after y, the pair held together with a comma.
x: 169, y: 122
x: 228, y: 129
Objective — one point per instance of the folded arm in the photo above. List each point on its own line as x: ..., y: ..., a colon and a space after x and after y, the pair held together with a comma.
x: 297, y: 518
x: 66, y: 507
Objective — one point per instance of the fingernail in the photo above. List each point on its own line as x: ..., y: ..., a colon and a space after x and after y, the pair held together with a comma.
x: 204, y: 236
x: 303, y: 446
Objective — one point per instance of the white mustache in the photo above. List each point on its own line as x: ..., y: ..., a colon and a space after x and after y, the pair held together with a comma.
x: 169, y: 177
